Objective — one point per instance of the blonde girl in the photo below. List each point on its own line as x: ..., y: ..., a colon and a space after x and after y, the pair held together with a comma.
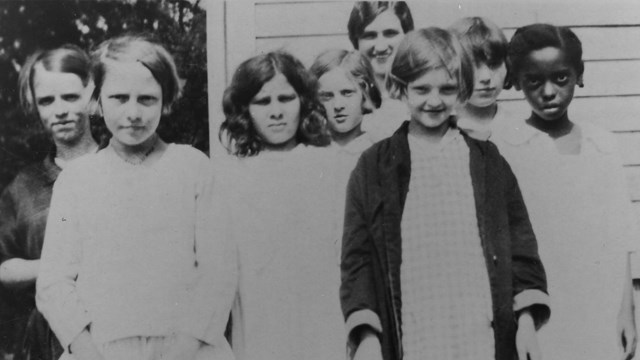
x: 131, y: 268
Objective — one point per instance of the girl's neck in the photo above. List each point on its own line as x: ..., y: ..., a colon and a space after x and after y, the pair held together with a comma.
x: 343, y: 139
x: 67, y: 152
x: 140, y: 153
x: 554, y: 128
x: 482, y: 115
x: 381, y: 82
x: 286, y: 146
x: 431, y: 135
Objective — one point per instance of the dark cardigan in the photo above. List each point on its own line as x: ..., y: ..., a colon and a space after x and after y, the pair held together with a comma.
x: 372, y: 244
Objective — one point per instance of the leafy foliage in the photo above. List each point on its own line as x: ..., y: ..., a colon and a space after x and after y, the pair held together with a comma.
x: 27, y: 25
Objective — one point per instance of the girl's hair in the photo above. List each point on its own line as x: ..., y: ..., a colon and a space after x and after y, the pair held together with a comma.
x: 483, y: 40
x: 141, y: 49
x: 428, y: 49
x: 364, y: 12
x: 539, y: 36
x: 357, y: 67
x: 65, y: 59
x: 237, y: 132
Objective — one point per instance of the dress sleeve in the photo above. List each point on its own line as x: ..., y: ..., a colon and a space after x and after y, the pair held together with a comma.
x: 357, y: 290
x: 217, y: 274
x: 56, y: 293
x: 529, y: 278
x: 9, y: 229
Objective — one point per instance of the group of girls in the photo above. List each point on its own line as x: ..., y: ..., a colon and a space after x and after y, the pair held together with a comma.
x: 421, y: 243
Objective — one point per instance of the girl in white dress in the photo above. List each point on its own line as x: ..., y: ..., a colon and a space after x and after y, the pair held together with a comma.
x: 278, y: 211
x: 571, y: 179
x: 131, y: 267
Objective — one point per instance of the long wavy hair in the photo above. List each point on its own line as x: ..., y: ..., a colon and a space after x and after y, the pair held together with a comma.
x: 237, y: 132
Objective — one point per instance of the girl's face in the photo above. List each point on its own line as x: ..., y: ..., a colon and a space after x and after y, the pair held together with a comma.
x: 275, y: 113
x: 488, y: 83
x: 131, y: 101
x: 548, y: 82
x: 342, y: 99
x: 61, y: 101
x: 431, y: 98
x: 380, y: 40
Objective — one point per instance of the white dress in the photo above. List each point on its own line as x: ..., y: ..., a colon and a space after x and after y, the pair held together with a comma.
x: 279, y: 208
x: 383, y: 122
x: 580, y: 212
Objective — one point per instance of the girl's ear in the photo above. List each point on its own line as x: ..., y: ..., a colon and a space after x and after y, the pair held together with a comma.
x: 580, y: 81
x: 367, y: 105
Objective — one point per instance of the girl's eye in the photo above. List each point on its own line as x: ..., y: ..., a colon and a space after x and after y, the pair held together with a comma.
x: 390, y: 33
x: 369, y: 35
x: 562, y: 78
x: 347, y: 93
x: 325, y: 96
x: 532, y: 82
x: 121, y: 98
x: 71, y: 97
x: 449, y: 90
x: 261, y: 101
x: 286, y: 98
x: 48, y: 100
x: 147, y: 100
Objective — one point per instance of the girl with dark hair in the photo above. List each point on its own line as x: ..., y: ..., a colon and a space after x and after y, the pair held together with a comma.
x: 375, y: 29
x: 573, y: 183
x: 277, y: 199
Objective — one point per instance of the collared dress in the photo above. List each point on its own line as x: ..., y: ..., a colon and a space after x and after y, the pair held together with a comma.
x: 581, y: 214
x: 279, y: 213
x: 24, y: 206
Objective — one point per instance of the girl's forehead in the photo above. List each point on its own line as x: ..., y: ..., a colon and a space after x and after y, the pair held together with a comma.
x: 337, y: 77
x: 277, y: 84
x: 548, y: 58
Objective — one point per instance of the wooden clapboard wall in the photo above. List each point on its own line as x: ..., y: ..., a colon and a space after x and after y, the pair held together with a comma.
x: 609, y: 30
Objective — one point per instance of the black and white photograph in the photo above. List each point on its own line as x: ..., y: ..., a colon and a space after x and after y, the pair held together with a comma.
x: 317, y: 179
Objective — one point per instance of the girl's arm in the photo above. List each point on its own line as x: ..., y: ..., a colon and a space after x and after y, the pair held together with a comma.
x: 217, y: 269
x: 19, y: 273
x: 357, y: 291
x: 56, y: 294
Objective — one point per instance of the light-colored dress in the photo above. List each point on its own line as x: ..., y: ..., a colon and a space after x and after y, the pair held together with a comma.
x: 446, y: 296
x: 279, y: 208
x: 580, y: 212
x: 130, y: 251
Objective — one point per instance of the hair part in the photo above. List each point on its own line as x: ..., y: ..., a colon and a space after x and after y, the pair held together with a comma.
x: 357, y: 67
x: 237, y: 132
x: 141, y: 49
x: 482, y: 39
x: 428, y: 49
x: 539, y: 36
x: 365, y: 12
x: 68, y: 58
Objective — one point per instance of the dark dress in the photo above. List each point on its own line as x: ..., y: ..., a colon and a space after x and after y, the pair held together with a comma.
x: 24, y: 206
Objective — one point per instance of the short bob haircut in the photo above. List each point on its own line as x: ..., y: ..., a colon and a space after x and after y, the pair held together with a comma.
x: 428, y: 49
x: 65, y: 59
x: 142, y: 49
x: 357, y: 67
x: 539, y: 36
x: 237, y: 131
x: 483, y: 40
x: 364, y: 12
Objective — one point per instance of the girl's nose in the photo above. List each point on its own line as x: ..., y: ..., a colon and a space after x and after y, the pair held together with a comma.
x: 548, y: 90
x: 339, y: 103
x: 276, y: 110
x: 433, y: 100
x: 380, y: 45
x: 133, y: 111
x: 483, y: 74
x: 60, y: 108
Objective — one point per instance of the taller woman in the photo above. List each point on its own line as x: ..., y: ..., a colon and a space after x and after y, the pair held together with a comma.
x: 54, y: 88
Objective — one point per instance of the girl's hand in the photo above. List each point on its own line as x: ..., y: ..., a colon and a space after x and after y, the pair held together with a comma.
x: 627, y: 335
x: 83, y: 347
x: 369, y: 347
x: 526, y: 338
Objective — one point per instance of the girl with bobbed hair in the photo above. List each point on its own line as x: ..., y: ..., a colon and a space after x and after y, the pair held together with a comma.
x: 54, y: 87
x: 238, y: 132
x: 278, y: 209
x: 131, y: 267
